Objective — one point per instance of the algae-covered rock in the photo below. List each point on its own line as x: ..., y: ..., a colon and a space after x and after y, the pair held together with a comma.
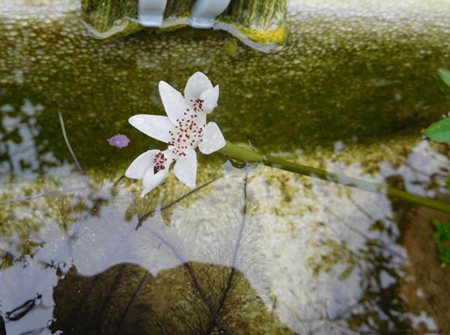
x: 253, y: 21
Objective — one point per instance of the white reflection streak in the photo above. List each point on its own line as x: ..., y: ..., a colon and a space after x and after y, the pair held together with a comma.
x: 1, y: 270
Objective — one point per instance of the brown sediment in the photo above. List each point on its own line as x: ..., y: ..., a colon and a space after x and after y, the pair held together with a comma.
x: 425, y: 282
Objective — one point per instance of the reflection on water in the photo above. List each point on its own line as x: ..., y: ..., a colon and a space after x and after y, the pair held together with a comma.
x: 19, y: 148
x: 306, y: 256
x: 194, y: 298
x: 255, y: 250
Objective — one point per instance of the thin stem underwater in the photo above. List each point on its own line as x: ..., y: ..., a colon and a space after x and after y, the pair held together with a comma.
x: 67, y: 141
x: 246, y: 155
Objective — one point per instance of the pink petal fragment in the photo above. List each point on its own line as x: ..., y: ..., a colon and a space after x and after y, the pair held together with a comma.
x: 120, y: 141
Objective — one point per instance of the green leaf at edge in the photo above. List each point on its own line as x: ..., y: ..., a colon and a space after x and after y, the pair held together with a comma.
x: 436, y: 236
x: 442, y: 249
x: 436, y: 223
x: 439, y: 131
x: 445, y: 75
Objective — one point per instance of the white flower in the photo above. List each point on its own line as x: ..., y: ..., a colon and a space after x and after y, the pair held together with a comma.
x: 184, y: 128
x: 152, y: 167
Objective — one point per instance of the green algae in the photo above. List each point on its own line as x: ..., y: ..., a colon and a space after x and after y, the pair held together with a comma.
x: 318, y: 90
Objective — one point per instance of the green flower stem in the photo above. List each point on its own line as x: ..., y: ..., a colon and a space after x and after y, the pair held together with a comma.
x: 243, y: 154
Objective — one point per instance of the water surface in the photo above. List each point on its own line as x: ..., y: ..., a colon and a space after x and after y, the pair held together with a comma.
x: 257, y: 250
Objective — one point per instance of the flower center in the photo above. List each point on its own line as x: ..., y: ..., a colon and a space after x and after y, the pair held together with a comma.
x: 159, y: 162
x: 188, y: 130
x: 197, y: 105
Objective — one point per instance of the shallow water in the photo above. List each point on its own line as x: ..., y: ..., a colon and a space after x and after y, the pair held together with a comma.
x: 351, y: 91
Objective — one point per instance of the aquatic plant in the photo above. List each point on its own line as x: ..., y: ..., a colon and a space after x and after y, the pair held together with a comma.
x: 440, y: 132
x: 184, y: 128
x: 441, y: 235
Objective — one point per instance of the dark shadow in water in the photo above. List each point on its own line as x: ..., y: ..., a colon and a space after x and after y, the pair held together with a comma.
x: 189, y: 299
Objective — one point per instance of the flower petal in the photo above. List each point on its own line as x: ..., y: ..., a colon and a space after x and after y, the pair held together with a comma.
x: 173, y: 102
x: 186, y: 168
x: 212, y: 139
x: 141, y: 164
x: 195, y: 85
x: 210, y: 98
x: 169, y: 155
x: 201, y: 119
x: 155, y: 126
x: 151, y: 180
